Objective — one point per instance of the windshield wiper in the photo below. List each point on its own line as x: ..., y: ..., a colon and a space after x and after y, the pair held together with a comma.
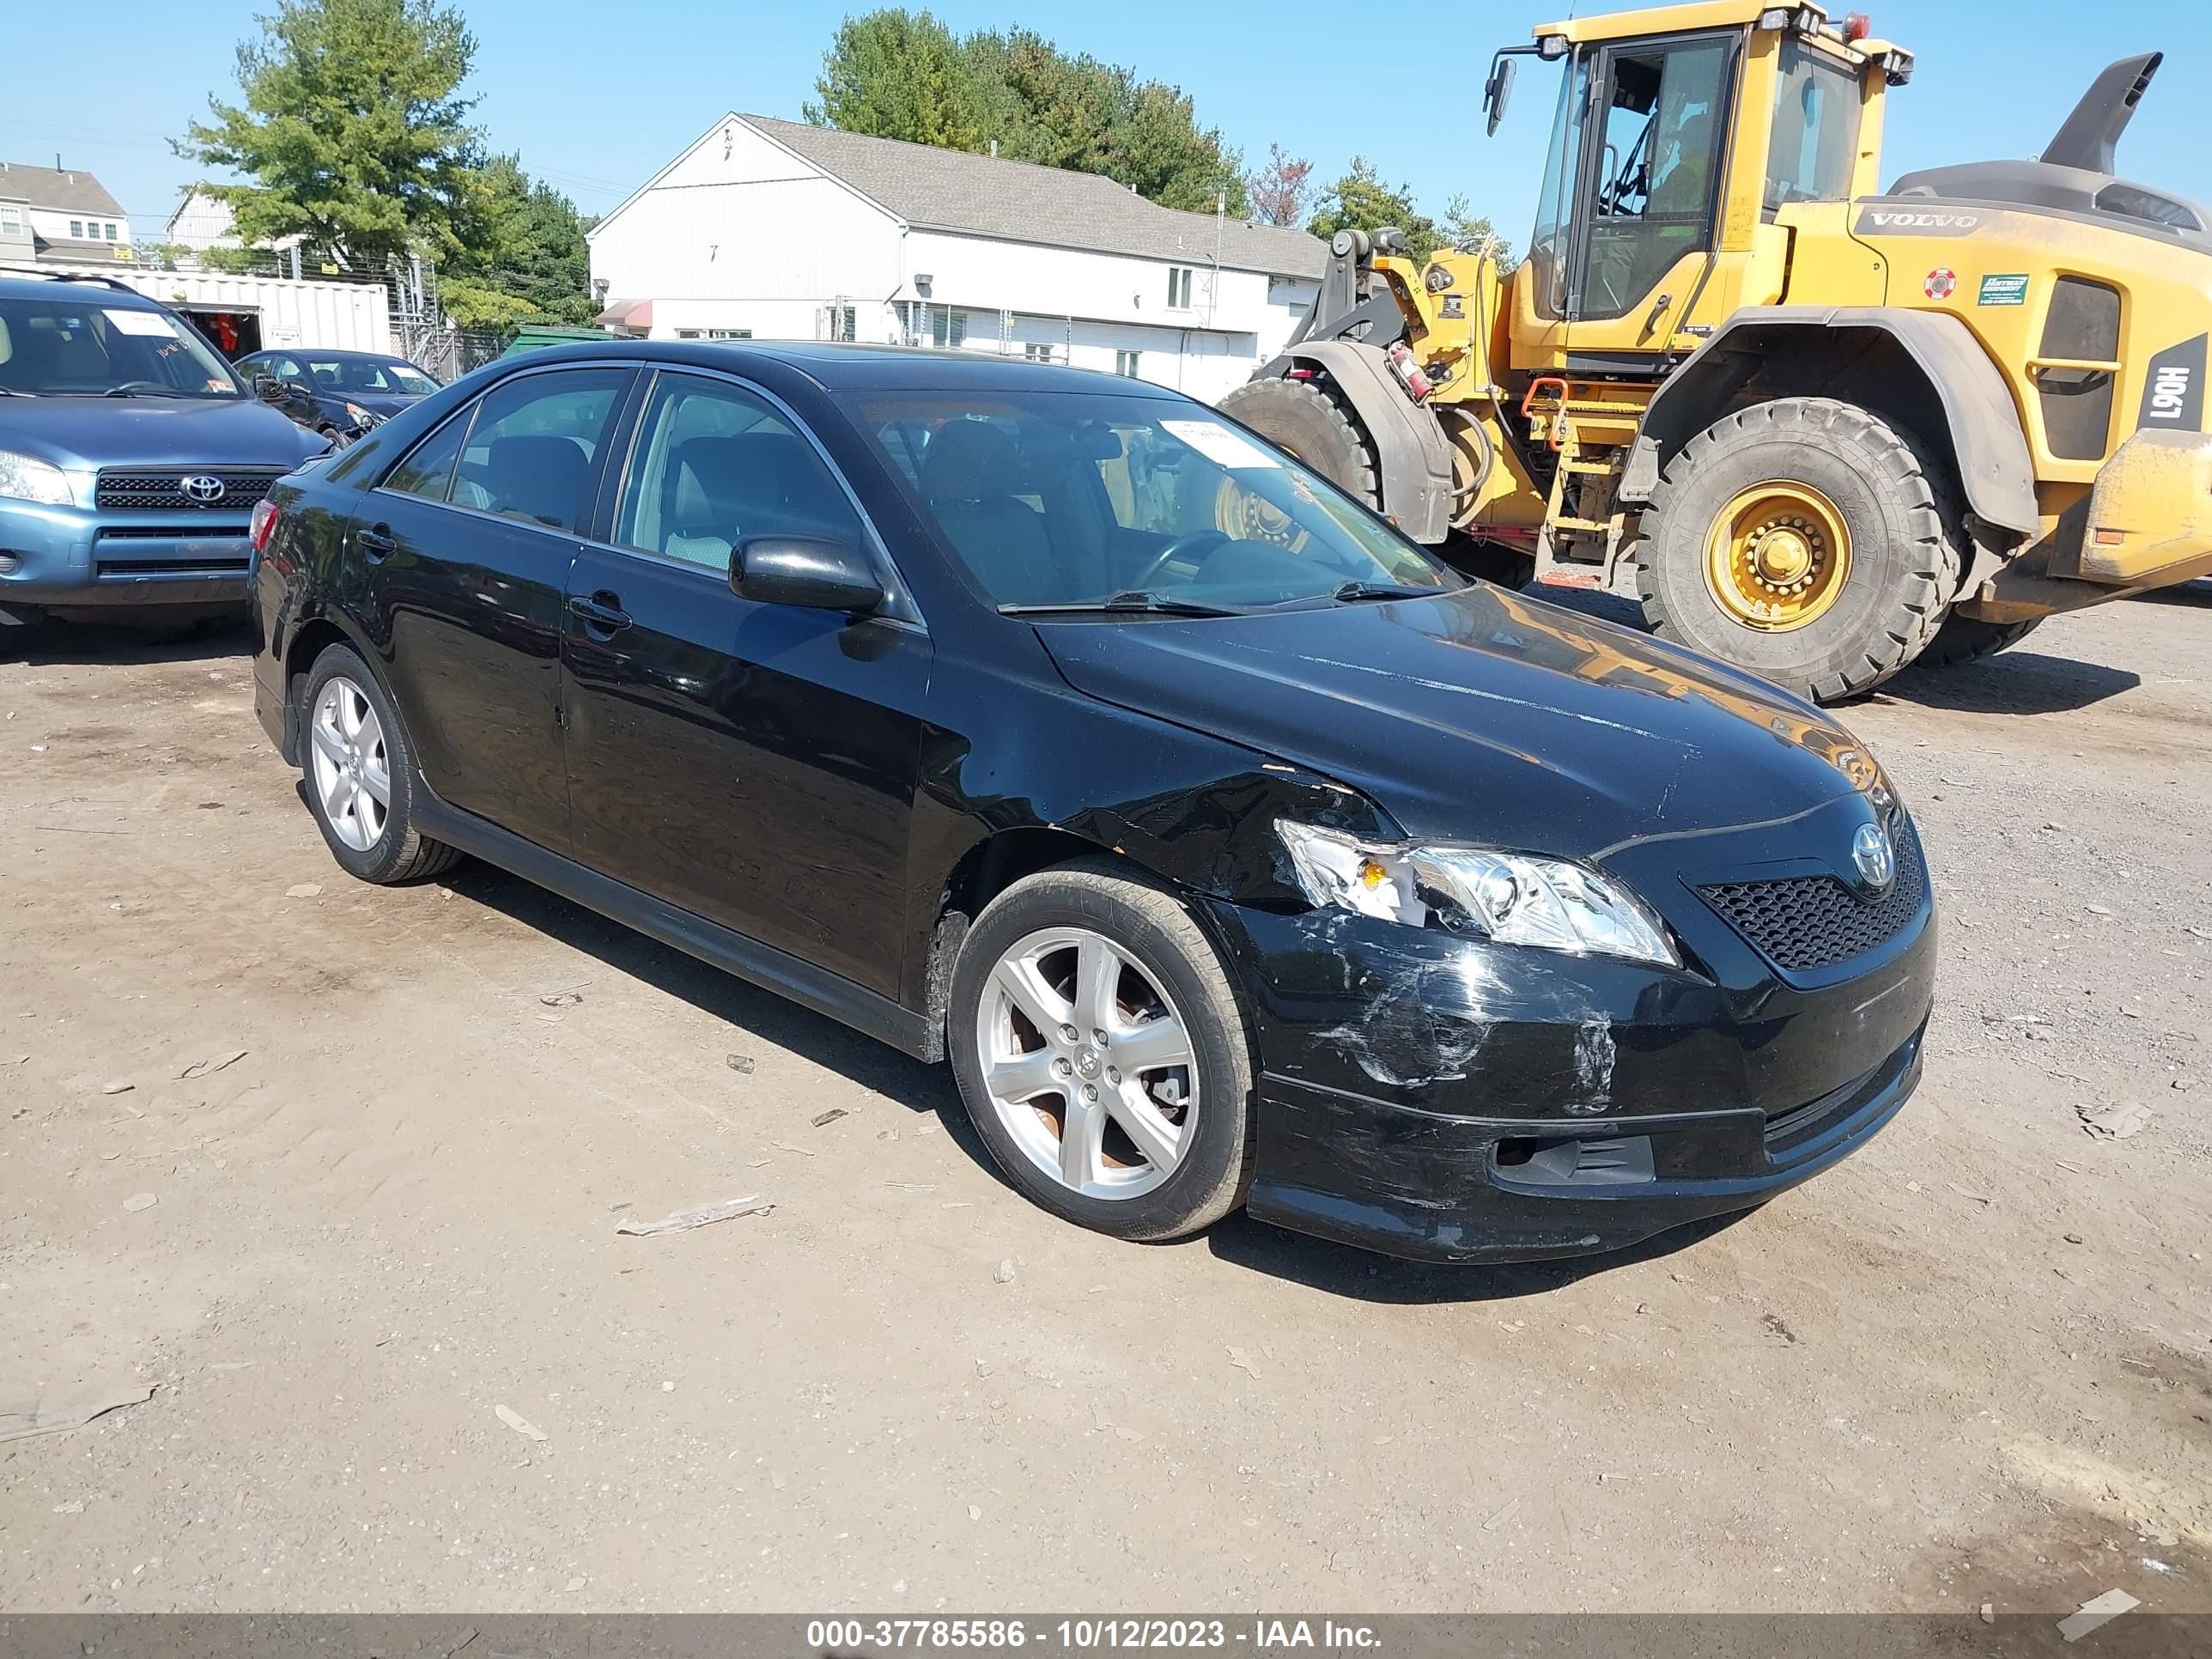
x: 1136, y: 601
x: 1354, y: 592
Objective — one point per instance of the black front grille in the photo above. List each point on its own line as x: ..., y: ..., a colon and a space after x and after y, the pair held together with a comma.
x: 1802, y: 923
x: 164, y: 491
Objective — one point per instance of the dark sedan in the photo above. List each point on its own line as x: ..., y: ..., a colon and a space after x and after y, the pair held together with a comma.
x: 1231, y: 849
x: 339, y: 394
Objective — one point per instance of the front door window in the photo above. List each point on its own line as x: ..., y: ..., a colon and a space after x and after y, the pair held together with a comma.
x: 1652, y: 186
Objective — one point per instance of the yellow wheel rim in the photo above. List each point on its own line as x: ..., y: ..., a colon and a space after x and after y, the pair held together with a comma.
x: 1777, y: 556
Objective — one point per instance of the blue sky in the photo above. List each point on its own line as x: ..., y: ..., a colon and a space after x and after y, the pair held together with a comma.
x: 596, y: 97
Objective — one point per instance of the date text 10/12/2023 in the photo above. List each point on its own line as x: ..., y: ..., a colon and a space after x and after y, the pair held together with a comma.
x: 863, y: 1636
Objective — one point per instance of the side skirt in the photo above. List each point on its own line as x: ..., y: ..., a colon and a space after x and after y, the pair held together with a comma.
x: 721, y: 947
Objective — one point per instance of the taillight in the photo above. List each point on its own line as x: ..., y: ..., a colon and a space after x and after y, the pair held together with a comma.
x: 266, y: 515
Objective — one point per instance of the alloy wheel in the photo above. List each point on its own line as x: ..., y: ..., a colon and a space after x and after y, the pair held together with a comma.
x: 352, y: 769
x: 1088, y: 1063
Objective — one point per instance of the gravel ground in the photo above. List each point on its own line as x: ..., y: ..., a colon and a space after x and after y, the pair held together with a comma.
x: 322, y: 1167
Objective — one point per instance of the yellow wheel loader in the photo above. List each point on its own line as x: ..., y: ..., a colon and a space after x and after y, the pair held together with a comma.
x: 1834, y: 430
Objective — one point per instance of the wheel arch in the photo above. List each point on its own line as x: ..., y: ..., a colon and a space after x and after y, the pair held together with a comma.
x: 310, y: 637
x: 1895, y: 363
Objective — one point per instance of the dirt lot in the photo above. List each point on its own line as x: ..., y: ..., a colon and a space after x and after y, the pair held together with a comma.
x: 1974, y: 1364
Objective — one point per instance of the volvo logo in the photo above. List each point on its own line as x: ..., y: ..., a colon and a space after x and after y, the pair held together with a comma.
x: 1875, y: 859
x: 201, y: 487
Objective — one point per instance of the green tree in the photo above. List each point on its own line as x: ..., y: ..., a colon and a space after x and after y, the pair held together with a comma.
x: 1359, y: 200
x: 527, y: 261
x: 352, y: 132
x: 1472, y: 233
x: 896, y: 73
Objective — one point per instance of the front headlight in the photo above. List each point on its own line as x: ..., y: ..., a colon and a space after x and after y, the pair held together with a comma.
x: 361, y: 417
x: 1511, y: 898
x: 23, y: 478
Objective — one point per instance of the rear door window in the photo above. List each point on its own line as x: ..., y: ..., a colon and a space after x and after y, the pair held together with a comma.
x: 429, y: 470
x: 533, y: 451
x: 528, y: 449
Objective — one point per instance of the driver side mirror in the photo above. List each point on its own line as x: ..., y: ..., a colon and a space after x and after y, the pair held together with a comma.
x: 271, y: 390
x: 1498, y: 89
x: 811, y: 572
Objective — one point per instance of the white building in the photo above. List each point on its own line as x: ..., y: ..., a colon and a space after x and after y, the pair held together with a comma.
x: 67, y: 213
x: 200, y: 222
x: 779, y: 230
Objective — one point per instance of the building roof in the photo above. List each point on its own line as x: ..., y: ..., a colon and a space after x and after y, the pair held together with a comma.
x: 65, y: 191
x: 952, y: 189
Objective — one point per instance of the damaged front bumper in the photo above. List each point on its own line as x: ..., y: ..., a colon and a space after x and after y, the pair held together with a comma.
x: 1443, y: 1099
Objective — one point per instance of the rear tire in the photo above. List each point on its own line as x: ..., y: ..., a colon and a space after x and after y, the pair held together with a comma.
x: 373, y: 839
x: 1901, y: 563
x: 1314, y: 426
x: 1166, y: 1099
x: 1969, y: 639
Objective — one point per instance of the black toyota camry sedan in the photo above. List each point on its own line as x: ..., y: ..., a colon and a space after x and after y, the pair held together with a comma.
x: 1231, y: 850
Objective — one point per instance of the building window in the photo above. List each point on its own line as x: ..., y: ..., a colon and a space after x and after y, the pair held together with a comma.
x: 76, y: 228
x: 729, y: 334
x: 1036, y: 352
x: 11, y: 221
x: 948, y: 328
x: 841, y: 323
x: 1179, y: 288
x: 110, y: 233
x: 1125, y: 362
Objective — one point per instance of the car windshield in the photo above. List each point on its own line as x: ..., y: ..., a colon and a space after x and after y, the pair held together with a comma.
x: 386, y: 374
x: 71, y: 345
x: 1086, y: 499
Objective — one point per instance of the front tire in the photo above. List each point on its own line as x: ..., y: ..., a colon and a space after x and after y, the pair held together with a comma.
x: 360, y: 772
x: 1809, y: 541
x: 1102, y: 1055
x: 1302, y: 418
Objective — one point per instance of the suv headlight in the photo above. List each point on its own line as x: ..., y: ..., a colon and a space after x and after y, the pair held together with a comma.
x: 1511, y: 898
x: 24, y: 478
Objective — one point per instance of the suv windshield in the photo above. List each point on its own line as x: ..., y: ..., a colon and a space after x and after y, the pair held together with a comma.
x: 72, y: 345
x: 1083, y: 499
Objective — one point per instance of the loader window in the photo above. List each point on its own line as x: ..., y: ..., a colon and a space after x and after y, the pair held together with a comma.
x: 1554, y: 235
x: 1658, y: 162
x: 1816, y: 130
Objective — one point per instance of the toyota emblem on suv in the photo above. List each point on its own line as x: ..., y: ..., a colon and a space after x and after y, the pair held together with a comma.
x: 202, y: 488
x: 1875, y: 859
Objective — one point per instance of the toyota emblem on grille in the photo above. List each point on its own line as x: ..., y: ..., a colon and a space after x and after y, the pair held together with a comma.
x: 1875, y: 859
x: 201, y: 487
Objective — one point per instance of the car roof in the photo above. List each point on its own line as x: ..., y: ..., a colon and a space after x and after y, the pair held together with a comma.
x: 838, y: 367
x: 35, y: 287
x: 323, y: 357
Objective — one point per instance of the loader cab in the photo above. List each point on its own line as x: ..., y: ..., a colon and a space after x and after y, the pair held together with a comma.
x: 1673, y: 150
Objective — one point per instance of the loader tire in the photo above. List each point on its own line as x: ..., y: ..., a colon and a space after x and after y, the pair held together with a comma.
x: 1314, y: 425
x: 1808, y: 541
x: 1969, y: 639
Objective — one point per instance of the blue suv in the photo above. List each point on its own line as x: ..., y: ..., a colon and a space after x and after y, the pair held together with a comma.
x: 131, y: 457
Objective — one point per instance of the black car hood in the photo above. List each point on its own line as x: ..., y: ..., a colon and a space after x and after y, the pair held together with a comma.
x: 153, y: 432
x: 1480, y: 714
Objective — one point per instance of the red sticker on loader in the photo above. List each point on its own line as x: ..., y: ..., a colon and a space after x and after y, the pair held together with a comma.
x: 1941, y: 282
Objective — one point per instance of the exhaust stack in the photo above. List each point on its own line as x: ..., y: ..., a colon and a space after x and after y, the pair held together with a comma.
x: 2091, y: 136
